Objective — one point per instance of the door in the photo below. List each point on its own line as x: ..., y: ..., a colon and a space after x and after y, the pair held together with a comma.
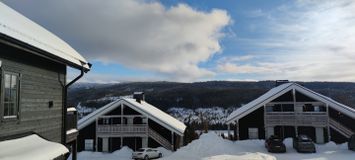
x: 105, y: 144
x: 89, y: 144
x: 319, y: 135
x: 253, y: 133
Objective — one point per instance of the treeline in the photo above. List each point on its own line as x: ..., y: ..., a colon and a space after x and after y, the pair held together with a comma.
x: 224, y: 94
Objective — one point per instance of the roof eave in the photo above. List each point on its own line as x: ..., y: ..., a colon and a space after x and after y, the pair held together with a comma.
x: 39, y: 52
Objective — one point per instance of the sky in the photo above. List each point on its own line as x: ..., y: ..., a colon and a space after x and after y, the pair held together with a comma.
x: 195, y: 40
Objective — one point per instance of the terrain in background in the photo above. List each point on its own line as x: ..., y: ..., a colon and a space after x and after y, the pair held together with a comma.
x: 210, y: 101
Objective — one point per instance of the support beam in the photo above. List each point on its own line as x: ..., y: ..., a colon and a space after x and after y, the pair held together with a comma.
x: 96, y: 138
x: 74, y: 150
x: 172, y: 140
x: 181, y: 141
x: 237, y: 131
x: 328, y: 125
x: 229, y: 128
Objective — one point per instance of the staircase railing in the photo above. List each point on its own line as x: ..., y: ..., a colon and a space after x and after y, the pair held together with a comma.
x: 340, y: 128
x: 161, y: 140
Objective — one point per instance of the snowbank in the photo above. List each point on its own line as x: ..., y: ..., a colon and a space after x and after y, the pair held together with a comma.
x: 31, y: 147
x: 212, y: 147
x: 123, y: 154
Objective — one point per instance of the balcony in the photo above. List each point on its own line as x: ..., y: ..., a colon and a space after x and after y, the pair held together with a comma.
x: 71, y: 125
x: 122, y: 130
x: 317, y: 119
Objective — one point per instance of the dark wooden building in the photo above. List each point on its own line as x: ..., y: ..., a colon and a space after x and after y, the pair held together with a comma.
x: 33, y: 68
x: 129, y: 122
x: 290, y: 109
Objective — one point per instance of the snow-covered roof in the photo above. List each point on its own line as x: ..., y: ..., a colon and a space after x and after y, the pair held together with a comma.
x: 143, y: 107
x: 18, y: 27
x: 31, y: 147
x: 282, y: 89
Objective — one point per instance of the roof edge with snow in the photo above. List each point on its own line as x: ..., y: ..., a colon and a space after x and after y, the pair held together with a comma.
x: 21, y: 31
x: 144, y: 108
x: 280, y: 90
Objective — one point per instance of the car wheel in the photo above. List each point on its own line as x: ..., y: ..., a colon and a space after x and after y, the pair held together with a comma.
x: 146, y: 157
x: 160, y: 155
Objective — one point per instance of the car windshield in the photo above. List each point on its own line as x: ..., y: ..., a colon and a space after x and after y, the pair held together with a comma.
x: 304, y: 139
x: 276, y: 141
x: 140, y: 150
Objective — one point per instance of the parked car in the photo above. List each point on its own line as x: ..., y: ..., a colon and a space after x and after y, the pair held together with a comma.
x: 303, y: 143
x: 351, y: 143
x: 146, y: 153
x: 275, y: 144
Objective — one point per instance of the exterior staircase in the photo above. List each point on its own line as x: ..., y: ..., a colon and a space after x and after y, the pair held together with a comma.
x: 340, y: 128
x: 161, y: 140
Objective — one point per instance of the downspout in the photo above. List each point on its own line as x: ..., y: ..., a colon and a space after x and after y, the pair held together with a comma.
x: 64, y: 111
x: 66, y: 105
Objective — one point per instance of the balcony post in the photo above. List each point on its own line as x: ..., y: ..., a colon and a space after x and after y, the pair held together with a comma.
x: 328, y: 128
x: 96, y: 139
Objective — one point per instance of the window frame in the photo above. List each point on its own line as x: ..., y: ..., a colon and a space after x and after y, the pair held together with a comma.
x: 2, y: 97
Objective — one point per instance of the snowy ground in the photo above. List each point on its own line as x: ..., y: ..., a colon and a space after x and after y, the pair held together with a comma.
x: 212, y: 147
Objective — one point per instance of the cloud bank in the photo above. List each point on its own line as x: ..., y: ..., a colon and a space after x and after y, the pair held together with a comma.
x: 145, y: 35
x: 303, y: 40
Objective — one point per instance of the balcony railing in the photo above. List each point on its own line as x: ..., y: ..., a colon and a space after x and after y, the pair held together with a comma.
x: 71, y: 124
x: 71, y: 119
x: 123, y: 129
x: 294, y: 118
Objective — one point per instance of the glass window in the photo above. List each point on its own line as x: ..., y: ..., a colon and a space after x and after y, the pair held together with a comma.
x: 11, y: 89
x: 288, y: 108
x: 269, y: 108
x: 308, y: 108
x: 277, y: 108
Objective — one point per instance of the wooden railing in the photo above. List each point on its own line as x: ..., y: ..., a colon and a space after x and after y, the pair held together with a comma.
x: 340, y: 128
x: 71, y: 124
x: 122, y: 129
x: 161, y: 140
x: 294, y: 118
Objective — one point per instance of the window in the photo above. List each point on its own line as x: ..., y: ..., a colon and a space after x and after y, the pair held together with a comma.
x: 288, y: 108
x: 10, y: 94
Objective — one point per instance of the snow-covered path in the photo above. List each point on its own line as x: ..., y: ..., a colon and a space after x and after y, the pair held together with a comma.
x: 212, y: 147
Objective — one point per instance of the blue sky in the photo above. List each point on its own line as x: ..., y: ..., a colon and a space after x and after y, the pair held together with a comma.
x: 194, y: 40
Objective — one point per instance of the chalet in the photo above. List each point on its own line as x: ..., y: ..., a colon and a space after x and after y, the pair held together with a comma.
x: 291, y: 109
x: 35, y: 122
x: 129, y: 122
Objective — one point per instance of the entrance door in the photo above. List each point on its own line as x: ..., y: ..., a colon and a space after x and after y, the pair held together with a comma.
x: 253, y: 133
x: 104, y: 144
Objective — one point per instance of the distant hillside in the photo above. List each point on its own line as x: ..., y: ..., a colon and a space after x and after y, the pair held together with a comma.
x: 222, y: 94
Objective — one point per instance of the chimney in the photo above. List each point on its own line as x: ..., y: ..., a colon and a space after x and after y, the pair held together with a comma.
x: 139, y: 96
x: 279, y: 82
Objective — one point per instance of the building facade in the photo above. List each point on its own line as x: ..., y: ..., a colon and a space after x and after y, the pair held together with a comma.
x: 129, y: 122
x: 33, y: 68
x: 291, y: 109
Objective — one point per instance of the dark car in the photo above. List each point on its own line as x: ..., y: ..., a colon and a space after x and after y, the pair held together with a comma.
x: 275, y: 144
x: 351, y: 143
x: 303, y: 143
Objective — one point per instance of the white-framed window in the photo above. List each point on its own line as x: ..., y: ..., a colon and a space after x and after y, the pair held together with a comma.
x: 89, y: 144
x: 10, y: 94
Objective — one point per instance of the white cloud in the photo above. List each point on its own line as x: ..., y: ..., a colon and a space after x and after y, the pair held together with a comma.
x: 304, y: 41
x: 146, y: 35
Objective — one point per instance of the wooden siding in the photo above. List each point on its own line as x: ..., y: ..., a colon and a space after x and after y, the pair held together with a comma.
x: 41, y: 82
